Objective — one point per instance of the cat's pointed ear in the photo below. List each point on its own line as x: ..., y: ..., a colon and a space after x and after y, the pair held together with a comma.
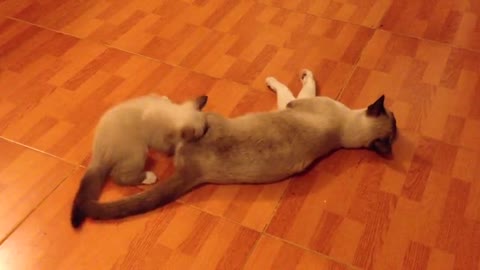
x: 200, y: 102
x: 377, y: 108
x: 382, y: 147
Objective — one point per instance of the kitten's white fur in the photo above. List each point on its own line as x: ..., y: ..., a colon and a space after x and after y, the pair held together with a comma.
x: 126, y: 132
x: 124, y: 135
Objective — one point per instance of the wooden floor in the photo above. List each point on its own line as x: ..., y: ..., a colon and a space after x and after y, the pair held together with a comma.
x: 63, y: 63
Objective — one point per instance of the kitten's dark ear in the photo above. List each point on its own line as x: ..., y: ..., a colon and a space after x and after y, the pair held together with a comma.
x: 377, y: 108
x: 200, y: 102
x: 382, y: 147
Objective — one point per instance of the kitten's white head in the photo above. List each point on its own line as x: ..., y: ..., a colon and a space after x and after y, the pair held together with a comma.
x: 183, y: 121
x: 191, y: 120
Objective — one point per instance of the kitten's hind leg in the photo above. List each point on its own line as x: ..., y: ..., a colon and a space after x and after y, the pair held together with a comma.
x: 133, y: 178
x: 284, y: 95
x: 130, y: 172
x: 308, y: 82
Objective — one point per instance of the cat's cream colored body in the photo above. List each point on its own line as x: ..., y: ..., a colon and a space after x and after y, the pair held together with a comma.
x: 267, y: 147
x: 262, y: 147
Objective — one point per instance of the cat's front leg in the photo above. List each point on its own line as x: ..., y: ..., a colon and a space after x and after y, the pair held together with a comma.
x: 308, y: 82
x: 284, y: 95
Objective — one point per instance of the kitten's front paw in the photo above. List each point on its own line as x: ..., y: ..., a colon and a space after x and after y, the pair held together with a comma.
x: 272, y: 83
x: 306, y: 75
x: 150, y: 178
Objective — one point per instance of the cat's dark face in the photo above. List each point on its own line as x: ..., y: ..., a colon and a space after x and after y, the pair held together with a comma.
x: 383, y: 143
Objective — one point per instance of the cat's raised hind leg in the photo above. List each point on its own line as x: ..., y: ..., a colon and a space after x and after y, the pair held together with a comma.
x: 308, y: 82
x: 284, y: 95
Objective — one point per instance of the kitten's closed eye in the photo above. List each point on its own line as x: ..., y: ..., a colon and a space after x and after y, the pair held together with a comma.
x: 190, y: 133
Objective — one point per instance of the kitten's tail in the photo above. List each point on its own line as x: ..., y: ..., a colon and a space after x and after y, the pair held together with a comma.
x: 90, y: 190
x: 162, y: 193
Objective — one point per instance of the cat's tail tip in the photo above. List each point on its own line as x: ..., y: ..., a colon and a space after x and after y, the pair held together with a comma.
x: 77, y: 218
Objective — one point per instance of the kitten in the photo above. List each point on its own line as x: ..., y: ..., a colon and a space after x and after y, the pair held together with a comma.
x: 264, y: 147
x: 126, y: 132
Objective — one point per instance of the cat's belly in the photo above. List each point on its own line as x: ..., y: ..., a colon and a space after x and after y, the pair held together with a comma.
x: 257, y: 153
x: 254, y: 167
x: 253, y: 174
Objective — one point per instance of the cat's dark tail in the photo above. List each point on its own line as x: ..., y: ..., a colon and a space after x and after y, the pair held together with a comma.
x: 90, y: 190
x: 162, y: 193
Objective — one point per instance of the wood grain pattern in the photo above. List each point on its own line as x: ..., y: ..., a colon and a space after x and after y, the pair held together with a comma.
x: 63, y: 63
x: 453, y: 22
x: 27, y: 177
x: 177, y: 236
x: 272, y: 253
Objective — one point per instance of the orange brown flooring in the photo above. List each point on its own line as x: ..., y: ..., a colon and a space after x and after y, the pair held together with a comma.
x: 63, y: 63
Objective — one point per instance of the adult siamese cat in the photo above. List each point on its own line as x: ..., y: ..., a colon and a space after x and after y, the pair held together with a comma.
x: 122, y: 139
x: 263, y: 147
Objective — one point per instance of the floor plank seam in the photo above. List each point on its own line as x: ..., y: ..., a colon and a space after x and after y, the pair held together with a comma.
x: 355, y: 66
x: 217, y: 215
x: 20, y: 223
x: 428, y: 40
x: 321, y: 16
x: 251, y: 252
x: 105, y: 44
x: 378, y: 27
x: 313, y: 251
x: 42, y: 152
x: 276, y: 208
x: 250, y: 87
x: 347, y: 81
